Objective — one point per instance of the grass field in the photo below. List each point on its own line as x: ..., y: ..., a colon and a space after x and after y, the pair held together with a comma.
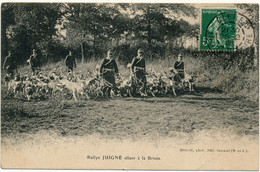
x: 133, y: 118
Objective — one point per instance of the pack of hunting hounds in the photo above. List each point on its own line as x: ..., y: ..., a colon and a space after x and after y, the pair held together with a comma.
x: 88, y: 85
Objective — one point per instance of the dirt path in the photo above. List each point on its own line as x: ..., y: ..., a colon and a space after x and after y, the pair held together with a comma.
x: 132, y: 118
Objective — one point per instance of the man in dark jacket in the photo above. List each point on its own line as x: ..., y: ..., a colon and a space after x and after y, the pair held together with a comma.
x: 70, y: 62
x: 108, y: 69
x: 138, y: 76
x: 9, y: 64
x: 34, y: 62
x: 179, y: 69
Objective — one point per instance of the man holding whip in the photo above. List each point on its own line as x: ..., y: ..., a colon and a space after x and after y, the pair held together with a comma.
x: 138, y: 73
x: 108, y: 69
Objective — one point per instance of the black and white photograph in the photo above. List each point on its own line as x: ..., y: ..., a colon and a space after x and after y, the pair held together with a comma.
x: 130, y: 86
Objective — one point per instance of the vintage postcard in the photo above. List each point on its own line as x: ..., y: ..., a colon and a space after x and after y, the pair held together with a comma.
x: 136, y: 86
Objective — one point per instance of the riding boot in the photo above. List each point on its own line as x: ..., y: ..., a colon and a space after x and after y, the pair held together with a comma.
x: 134, y: 91
x: 109, y: 92
x: 104, y: 90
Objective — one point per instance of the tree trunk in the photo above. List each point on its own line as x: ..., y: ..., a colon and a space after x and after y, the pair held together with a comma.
x: 4, y: 43
x: 149, y: 28
x: 82, y: 52
x: 94, y: 46
x: 256, y: 46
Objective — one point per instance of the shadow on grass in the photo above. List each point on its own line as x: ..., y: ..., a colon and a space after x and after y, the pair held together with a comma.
x: 212, y: 98
x: 207, y: 90
x: 194, y: 95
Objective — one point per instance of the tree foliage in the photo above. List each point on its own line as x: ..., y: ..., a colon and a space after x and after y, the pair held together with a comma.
x: 33, y: 26
x: 54, y: 28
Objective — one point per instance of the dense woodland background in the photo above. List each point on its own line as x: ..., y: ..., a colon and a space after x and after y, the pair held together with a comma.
x: 53, y: 29
x: 89, y: 29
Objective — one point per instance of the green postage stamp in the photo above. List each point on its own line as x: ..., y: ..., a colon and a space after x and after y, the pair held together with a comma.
x: 218, y: 29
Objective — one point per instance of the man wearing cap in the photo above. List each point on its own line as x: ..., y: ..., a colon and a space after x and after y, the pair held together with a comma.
x: 9, y: 64
x: 34, y: 62
x: 179, y: 69
x: 108, y: 69
x: 138, y: 72
x: 70, y: 62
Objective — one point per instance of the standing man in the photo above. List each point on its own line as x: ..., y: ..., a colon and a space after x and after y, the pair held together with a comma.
x: 70, y: 62
x: 9, y: 64
x: 34, y: 62
x: 179, y: 69
x: 108, y: 69
x: 138, y: 72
